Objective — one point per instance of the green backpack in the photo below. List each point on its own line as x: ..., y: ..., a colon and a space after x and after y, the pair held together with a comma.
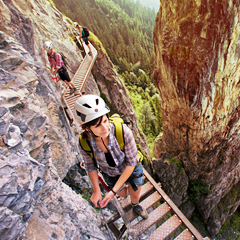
x: 118, y: 121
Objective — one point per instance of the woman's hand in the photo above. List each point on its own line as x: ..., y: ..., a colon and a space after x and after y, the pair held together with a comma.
x: 55, y: 72
x: 97, y: 196
x: 106, y: 200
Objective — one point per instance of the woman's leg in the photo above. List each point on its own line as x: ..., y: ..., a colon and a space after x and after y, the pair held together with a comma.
x: 68, y: 83
x: 123, y: 192
x: 72, y: 84
x: 89, y: 48
x: 134, y: 195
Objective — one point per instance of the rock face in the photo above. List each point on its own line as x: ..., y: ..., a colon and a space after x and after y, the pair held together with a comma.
x: 197, y: 73
x: 37, y: 144
x: 174, y: 181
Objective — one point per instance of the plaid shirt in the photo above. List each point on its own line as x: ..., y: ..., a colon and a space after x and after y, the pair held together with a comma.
x: 122, y: 159
x: 58, y: 63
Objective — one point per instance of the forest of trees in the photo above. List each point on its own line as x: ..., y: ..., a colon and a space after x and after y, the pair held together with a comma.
x: 155, y: 4
x: 125, y: 29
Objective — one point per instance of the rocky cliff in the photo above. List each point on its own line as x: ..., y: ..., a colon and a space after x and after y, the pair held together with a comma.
x: 197, y: 72
x: 38, y: 146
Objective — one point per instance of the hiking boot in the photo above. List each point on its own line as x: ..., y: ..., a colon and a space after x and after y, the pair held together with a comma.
x: 72, y: 90
x: 139, y: 210
x: 90, y: 53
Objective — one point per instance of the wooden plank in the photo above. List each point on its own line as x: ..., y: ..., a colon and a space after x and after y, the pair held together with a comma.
x: 166, y: 228
x: 80, y: 76
x: 79, y: 82
x: 72, y: 100
x: 186, y: 222
x: 185, y: 235
x: 153, y: 217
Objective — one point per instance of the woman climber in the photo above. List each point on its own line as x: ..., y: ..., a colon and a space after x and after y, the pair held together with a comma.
x: 117, y: 167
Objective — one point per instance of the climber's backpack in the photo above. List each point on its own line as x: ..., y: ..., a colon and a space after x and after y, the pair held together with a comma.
x: 86, y: 32
x: 118, y: 121
x: 64, y: 58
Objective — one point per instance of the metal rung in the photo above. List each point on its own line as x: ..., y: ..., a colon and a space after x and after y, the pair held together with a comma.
x: 146, y: 203
x: 146, y: 188
x: 185, y: 235
x: 166, y: 228
x: 153, y: 217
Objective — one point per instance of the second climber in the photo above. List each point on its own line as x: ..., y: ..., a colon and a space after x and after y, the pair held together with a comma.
x: 57, y: 66
x: 83, y: 36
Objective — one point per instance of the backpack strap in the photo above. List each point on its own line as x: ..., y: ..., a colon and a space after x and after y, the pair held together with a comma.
x: 120, y: 138
x: 84, y: 143
x: 119, y: 135
x: 53, y: 55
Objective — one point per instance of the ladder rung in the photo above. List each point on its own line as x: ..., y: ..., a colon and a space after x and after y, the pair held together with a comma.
x: 185, y: 235
x: 72, y: 100
x: 166, y: 228
x: 78, y: 80
x: 146, y: 188
x: 72, y: 95
x: 146, y: 203
x: 153, y: 217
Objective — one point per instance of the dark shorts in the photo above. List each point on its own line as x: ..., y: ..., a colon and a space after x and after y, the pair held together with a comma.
x: 136, y: 178
x: 63, y: 74
x: 86, y: 41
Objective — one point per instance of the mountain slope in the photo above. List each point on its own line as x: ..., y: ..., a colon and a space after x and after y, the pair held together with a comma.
x: 124, y: 28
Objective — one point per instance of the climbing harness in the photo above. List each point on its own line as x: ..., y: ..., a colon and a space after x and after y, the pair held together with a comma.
x: 55, y: 77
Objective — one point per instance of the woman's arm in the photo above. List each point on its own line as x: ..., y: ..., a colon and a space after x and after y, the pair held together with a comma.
x: 131, y: 159
x: 96, y: 196
x: 93, y: 174
x: 122, y: 179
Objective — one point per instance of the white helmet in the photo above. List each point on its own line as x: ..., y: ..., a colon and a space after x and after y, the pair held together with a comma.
x: 75, y: 24
x: 48, y: 45
x: 88, y: 108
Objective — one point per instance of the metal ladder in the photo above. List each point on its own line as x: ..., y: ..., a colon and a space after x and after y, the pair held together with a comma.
x: 163, y: 211
x: 79, y: 81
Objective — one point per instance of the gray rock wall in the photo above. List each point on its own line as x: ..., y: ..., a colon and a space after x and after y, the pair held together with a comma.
x: 37, y: 144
